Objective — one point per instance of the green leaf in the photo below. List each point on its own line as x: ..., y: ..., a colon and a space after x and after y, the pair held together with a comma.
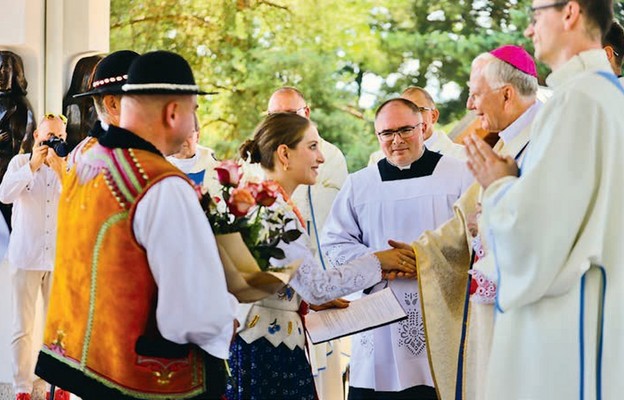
x: 291, y: 235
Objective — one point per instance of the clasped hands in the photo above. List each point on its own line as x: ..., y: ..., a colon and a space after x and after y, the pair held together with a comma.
x: 397, y: 262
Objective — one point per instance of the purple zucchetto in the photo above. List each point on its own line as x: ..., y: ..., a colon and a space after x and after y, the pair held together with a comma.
x: 517, y: 57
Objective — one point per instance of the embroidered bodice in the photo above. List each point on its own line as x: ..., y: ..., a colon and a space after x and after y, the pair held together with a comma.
x: 276, y: 317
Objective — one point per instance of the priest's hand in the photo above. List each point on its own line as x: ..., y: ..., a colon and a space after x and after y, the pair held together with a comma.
x: 337, y: 303
x: 485, y: 164
x: 400, y: 258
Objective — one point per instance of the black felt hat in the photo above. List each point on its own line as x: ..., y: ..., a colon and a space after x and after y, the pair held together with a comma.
x: 111, y: 73
x: 161, y: 72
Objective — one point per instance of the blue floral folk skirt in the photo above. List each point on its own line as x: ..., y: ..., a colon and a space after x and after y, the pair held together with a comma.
x: 262, y: 371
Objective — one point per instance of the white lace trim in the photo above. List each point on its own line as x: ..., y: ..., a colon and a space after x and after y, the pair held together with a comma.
x: 335, y: 254
x: 318, y: 286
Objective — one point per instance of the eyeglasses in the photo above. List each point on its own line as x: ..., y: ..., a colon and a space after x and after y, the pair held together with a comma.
x: 425, y: 108
x: 297, y: 111
x: 545, y: 6
x: 404, y: 132
x: 53, y: 116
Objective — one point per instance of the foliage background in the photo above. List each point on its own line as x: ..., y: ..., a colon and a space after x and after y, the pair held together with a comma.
x: 335, y: 51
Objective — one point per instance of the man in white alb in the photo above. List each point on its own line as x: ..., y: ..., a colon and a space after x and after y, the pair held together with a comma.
x: 411, y: 190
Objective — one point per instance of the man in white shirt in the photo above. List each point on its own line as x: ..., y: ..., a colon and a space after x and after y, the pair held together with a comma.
x: 139, y: 306
x: 555, y: 225
x: 411, y: 190
x: 435, y: 140
x: 32, y: 184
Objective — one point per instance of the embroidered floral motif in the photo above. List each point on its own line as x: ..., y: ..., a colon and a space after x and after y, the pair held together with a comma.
x: 163, y: 369
x: 412, y: 329
x: 482, y: 289
x: 318, y: 286
x: 58, y: 345
x: 274, y: 327
x: 366, y: 342
x: 478, y: 248
x: 336, y: 256
x: 286, y: 294
x: 410, y: 299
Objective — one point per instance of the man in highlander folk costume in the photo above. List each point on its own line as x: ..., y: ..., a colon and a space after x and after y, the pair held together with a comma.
x: 139, y: 306
x: 410, y: 190
x: 503, y: 87
x: 110, y: 74
x: 554, y: 225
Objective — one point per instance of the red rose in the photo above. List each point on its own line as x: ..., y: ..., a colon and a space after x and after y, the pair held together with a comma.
x: 254, y: 188
x: 240, y: 202
x: 271, y: 186
x: 229, y: 173
x: 267, y: 194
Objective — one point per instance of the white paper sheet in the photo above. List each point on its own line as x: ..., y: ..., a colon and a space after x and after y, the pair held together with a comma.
x: 377, y: 309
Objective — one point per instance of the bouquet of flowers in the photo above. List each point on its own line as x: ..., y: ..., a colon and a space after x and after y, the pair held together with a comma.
x: 248, y: 231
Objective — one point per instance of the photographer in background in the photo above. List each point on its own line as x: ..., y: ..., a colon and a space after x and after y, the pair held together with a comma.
x: 32, y: 184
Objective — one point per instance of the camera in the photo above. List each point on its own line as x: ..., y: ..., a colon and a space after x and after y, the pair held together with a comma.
x: 58, y: 145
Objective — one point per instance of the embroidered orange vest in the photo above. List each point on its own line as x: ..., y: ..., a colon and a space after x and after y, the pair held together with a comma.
x: 101, y: 323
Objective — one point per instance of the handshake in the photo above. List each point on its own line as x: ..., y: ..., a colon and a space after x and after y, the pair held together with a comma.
x: 397, y: 262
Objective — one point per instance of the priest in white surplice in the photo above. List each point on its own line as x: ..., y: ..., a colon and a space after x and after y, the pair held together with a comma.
x: 556, y: 228
x: 409, y: 191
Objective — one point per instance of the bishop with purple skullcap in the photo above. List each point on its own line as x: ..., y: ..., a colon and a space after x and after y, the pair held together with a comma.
x: 517, y: 57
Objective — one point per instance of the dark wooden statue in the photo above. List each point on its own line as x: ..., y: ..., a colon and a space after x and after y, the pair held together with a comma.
x: 17, y: 120
x: 80, y: 112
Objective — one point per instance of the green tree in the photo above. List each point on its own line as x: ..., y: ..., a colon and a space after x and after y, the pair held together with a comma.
x: 244, y: 49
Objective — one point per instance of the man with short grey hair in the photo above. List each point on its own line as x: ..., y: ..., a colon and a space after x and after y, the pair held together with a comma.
x: 503, y: 88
